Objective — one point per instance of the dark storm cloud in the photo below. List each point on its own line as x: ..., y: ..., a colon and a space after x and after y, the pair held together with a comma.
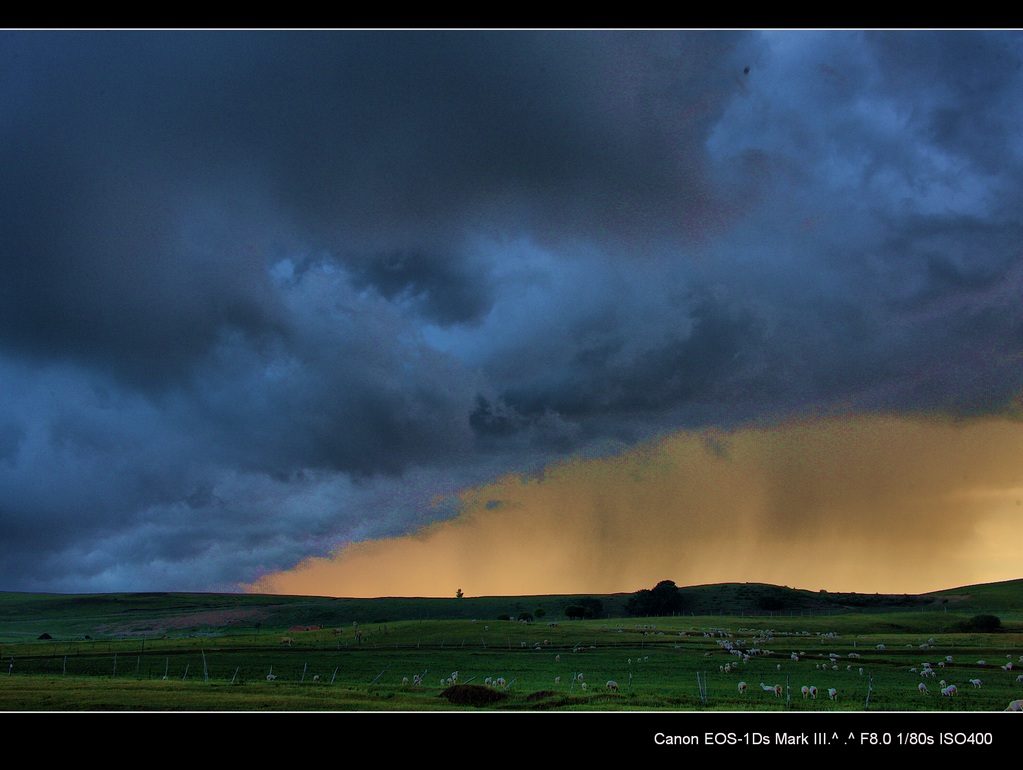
x: 150, y: 176
x: 969, y: 81
x: 444, y: 289
x: 266, y: 293
x: 692, y: 366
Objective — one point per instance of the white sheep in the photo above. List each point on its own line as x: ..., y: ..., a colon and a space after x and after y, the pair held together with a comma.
x: 583, y: 685
x: 271, y: 677
x: 611, y: 685
x: 923, y: 689
x: 806, y: 691
x: 949, y: 691
x: 742, y: 687
x: 975, y: 682
x: 813, y: 692
x: 1016, y: 705
x: 832, y: 693
x: 557, y: 680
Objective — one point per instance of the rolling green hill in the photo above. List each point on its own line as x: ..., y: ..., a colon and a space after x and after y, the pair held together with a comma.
x: 28, y: 616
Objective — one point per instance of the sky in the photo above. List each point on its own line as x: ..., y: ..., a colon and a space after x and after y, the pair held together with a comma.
x: 371, y: 313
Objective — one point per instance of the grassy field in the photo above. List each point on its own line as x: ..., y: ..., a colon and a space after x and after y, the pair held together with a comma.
x: 209, y: 652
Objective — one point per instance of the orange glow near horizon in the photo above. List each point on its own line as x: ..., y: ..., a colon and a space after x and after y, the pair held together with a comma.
x: 866, y: 504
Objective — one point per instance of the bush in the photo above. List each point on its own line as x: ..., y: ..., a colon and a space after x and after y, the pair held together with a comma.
x: 982, y: 624
x: 594, y: 607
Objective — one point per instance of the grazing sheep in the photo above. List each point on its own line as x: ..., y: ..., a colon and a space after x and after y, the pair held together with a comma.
x: 611, y: 685
x: 766, y: 687
x: 404, y: 680
x: 949, y: 691
x: 742, y: 687
x: 832, y: 693
x: 557, y: 680
x: 1016, y: 705
x: 271, y: 677
x: 316, y: 677
x: 806, y: 691
x: 583, y: 685
x: 286, y: 640
x: 923, y: 689
x: 975, y: 682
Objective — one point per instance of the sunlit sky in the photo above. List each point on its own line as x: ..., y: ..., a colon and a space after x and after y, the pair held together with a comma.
x: 517, y: 312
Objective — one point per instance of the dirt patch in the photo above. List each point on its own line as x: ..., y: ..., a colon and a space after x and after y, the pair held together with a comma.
x: 209, y: 619
x: 473, y: 695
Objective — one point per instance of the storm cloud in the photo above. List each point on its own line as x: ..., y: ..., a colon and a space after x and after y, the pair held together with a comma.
x: 265, y: 295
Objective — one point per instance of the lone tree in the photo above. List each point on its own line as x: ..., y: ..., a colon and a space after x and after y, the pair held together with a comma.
x: 663, y: 599
x: 459, y: 594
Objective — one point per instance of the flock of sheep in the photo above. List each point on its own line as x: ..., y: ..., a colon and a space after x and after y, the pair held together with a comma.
x: 745, y: 650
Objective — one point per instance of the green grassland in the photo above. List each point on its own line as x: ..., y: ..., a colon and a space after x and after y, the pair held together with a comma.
x: 214, y: 652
